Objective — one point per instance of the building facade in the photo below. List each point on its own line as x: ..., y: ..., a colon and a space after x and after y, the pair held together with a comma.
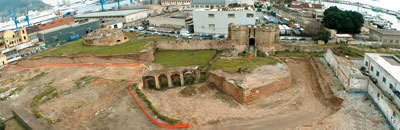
x: 175, y: 2
x: 385, y: 68
x: 125, y: 16
x: 216, y: 21
x: 11, y: 39
x: 219, y: 3
x: 65, y: 33
x: 390, y: 38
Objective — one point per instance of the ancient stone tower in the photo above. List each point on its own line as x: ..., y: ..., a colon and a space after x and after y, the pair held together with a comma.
x: 262, y: 37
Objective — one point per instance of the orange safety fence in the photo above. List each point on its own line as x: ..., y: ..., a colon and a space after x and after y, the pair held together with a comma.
x: 166, y: 126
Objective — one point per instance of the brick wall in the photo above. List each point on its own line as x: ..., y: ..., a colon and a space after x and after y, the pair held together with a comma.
x: 247, y: 95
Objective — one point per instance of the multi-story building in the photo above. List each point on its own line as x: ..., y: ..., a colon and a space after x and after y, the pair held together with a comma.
x: 176, y: 2
x: 11, y: 39
x: 219, y: 3
x: 387, y: 37
x: 216, y: 21
x: 385, y: 68
x: 68, y: 32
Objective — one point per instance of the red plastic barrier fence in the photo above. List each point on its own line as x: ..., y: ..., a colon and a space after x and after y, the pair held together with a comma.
x: 166, y: 126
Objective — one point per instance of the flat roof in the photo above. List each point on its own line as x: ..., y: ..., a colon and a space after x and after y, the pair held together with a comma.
x: 386, y: 31
x: 65, y: 26
x: 226, y: 9
x: 388, y: 62
x: 110, y: 13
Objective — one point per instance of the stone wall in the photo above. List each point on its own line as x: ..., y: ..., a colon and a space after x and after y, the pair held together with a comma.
x: 358, y: 83
x: 246, y: 95
x: 352, y: 80
x: 105, y: 37
x: 301, y: 47
x: 192, y: 45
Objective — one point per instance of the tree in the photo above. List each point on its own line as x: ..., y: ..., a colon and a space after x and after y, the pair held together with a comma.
x: 343, y: 21
x: 323, y: 35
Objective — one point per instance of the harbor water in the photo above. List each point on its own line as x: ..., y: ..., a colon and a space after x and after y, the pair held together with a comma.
x: 387, y: 4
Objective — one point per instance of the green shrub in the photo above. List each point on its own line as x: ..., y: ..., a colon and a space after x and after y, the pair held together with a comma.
x: 154, y: 110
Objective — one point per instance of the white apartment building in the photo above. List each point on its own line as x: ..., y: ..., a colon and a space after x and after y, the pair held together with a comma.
x: 216, y: 21
x: 219, y: 3
x: 385, y: 68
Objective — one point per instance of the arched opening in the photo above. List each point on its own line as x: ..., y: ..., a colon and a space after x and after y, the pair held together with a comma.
x: 118, y: 40
x: 149, y: 82
x: 252, y: 42
x: 176, y: 80
x: 163, y: 80
x: 188, y: 77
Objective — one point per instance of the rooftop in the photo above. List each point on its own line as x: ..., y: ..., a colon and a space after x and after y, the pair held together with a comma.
x: 56, y: 22
x: 344, y: 35
x: 387, y: 61
x: 110, y: 13
x: 65, y: 26
x: 227, y: 9
x: 386, y: 31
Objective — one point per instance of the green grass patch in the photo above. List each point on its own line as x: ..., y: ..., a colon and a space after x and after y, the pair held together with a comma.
x: 13, y: 124
x: 82, y: 81
x: 348, y: 51
x: 184, y: 58
x: 232, y: 65
x: 154, y: 110
x: 299, y: 54
x: 48, y: 94
x: 38, y: 76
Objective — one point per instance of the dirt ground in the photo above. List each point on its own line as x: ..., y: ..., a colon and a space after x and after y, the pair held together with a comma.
x: 314, y: 101
x: 102, y: 103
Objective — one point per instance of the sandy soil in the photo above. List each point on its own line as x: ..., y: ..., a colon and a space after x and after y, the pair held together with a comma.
x: 102, y: 103
x: 308, y: 103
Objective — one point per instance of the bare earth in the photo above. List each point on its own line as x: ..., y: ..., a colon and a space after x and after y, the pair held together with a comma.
x: 308, y: 103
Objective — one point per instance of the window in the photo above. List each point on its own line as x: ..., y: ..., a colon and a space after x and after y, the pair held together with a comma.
x: 24, y: 37
x: 366, y: 63
x: 390, y: 85
x: 23, y: 31
x: 384, y: 79
x: 377, y: 73
x: 391, y: 41
x: 385, y: 41
x: 211, y: 25
x: 372, y: 68
x: 397, y: 41
x: 210, y: 15
x: 231, y: 15
x: 250, y: 15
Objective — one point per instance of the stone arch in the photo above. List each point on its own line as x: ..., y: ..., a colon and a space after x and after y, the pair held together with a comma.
x: 252, y: 42
x: 163, y: 80
x: 189, y: 77
x: 176, y: 79
x: 149, y: 82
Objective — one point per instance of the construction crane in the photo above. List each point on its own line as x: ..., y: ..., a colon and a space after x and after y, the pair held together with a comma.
x: 14, y: 17
x: 102, y: 5
x: 118, y: 4
x: 27, y: 16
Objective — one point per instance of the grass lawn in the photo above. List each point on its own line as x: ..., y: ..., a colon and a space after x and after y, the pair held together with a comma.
x: 13, y: 124
x: 77, y: 47
x: 232, y: 65
x: 184, y: 58
x: 298, y: 54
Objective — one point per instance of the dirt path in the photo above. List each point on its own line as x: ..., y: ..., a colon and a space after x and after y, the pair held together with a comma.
x: 306, y: 102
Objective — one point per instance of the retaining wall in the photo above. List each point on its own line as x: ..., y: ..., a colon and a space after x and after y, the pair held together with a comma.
x: 357, y: 83
x: 246, y: 95
x: 301, y: 47
x: 193, y: 45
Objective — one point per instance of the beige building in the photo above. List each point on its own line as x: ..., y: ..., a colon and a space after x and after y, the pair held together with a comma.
x: 387, y: 37
x: 3, y: 60
x: 10, y: 38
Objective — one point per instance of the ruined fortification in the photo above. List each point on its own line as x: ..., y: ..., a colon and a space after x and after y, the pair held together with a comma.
x: 264, y: 37
x: 105, y: 37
